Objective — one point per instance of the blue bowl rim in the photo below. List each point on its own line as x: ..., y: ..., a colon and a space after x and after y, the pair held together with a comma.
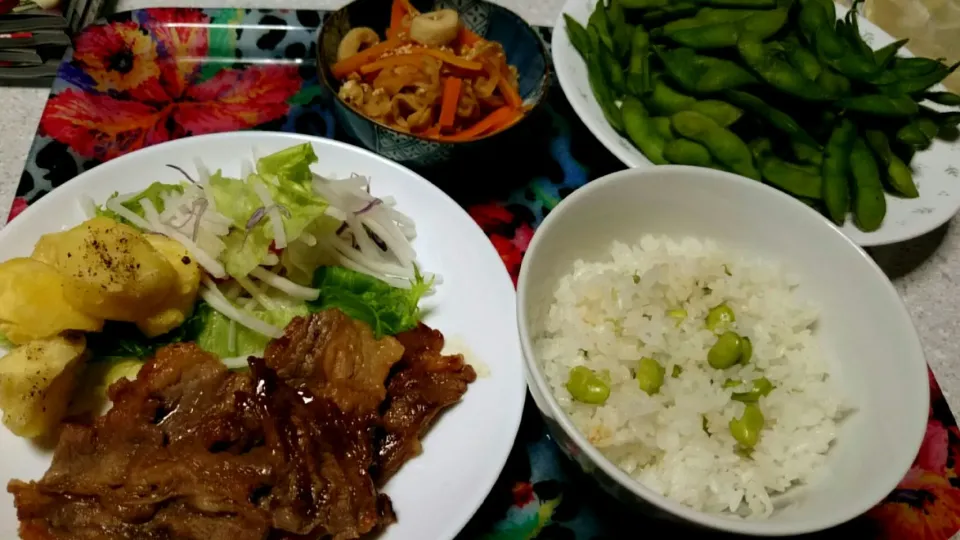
x: 544, y: 81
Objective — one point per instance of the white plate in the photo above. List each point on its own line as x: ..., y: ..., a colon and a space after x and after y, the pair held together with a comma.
x: 935, y: 170
x: 435, y: 494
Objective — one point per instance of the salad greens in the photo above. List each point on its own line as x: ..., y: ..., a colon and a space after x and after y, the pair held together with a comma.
x: 388, y: 310
x: 154, y: 193
x: 289, y: 181
x: 214, y: 337
x: 281, y: 185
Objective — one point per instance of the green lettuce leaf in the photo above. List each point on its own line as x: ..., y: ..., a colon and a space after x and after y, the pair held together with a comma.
x: 388, y: 310
x: 215, y: 335
x: 286, y: 175
x: 154, y: 193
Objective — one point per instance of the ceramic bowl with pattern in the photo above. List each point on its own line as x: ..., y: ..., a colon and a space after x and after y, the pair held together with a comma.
x: 522, y: 45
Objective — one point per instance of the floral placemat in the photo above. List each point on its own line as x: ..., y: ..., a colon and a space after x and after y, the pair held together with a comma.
x: 149, y: 76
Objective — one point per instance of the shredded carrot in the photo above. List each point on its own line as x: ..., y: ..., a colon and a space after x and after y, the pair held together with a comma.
x: 448, y: 105
x: 399, y: 11
x: 432, y: 131
x: 390, y: 61
x: 510, y: 94
x: 467, y: 37
x: 502, y: 117
x: 450, y: 58
x: 409, y: 7
x: 353, y: 63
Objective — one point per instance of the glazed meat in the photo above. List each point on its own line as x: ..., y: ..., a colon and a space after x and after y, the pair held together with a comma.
x: 192, y: 451
x: 424, y: 383
x: 291, y: 449
x: 336, y: 357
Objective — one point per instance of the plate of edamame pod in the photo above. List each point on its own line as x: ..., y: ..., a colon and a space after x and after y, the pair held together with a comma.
x: 803, y: 95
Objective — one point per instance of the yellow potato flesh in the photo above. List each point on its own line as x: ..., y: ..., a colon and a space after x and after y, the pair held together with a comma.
x: 111, y: 270
x: 33, y: 305
x: 178, y: 305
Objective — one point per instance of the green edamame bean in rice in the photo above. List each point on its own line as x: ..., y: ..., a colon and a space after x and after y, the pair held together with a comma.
x: 675, y: 431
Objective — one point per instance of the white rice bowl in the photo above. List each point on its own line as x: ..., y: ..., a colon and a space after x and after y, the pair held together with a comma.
x: 606, y: 315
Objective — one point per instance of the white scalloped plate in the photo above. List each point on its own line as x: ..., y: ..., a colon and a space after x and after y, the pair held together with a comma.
x: 435, y: 494
x: 936, y: 170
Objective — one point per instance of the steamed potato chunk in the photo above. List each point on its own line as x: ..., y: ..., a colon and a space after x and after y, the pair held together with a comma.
x: 36, y: 382
x: 111, y: 271
x: 32, y: 303
x: 178, y: 305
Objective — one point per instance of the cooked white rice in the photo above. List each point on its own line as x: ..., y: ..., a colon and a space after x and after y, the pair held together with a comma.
x: 607, y: 315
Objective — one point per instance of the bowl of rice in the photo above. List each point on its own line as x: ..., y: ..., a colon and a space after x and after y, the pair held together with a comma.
x: 711, y: 349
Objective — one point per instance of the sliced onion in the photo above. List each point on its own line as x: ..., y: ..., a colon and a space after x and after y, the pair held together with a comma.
x: 256, y: 293
x: 239, y: 362
x: 212, y: 295
x: 127, y: 214
x: 273, y: 214
x: 285, y: 285
x: 211, y: 265
x: 233, y: 313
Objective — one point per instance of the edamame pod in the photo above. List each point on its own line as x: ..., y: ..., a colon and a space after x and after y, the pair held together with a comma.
x: 638, y: 68
x: 675, y: 10
x: 881, y: 105
x: 802, y: 59
x: 776, y: 118
x: 919, y: 132
x: 897, y: 173
x: 807, y: 154
x: 726, y: 147
x: 766, y: 60
x: 604, y: 96
x: 598, y: 21
x: 944, y: 98
x: 702, y: 74
x: 833, y: 83
x: 800, y: 180
x: 578, y: 37
x: 884, y: 55
x: 919, y: 83
x: 665, y: 100
x: 702, y: 33
x: 620, y: 30
x: 836, y: 171
x: 687, y: 152
x: 869, y: 204
x: 642, y: 131
x: 610, y: 67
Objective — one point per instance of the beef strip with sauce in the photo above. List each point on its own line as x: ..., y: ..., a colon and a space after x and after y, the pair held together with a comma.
x: 190, y: 450
x: 424, y: 383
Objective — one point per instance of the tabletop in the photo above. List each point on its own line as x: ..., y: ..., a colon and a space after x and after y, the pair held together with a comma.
x: 926, y: 271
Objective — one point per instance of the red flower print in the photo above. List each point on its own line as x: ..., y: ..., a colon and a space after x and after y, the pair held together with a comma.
x: 143, y: 88
x: 235, y: 99
x: 522, y: 237
x: 121, y: 58
x: 509, y: 254
x: 182, y: 39
x: 522, y: 494
x: 933, y: 452
x: 490, y: 215
x: 99, y: 126
x: 924, y: 507
x: 19, y: 205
